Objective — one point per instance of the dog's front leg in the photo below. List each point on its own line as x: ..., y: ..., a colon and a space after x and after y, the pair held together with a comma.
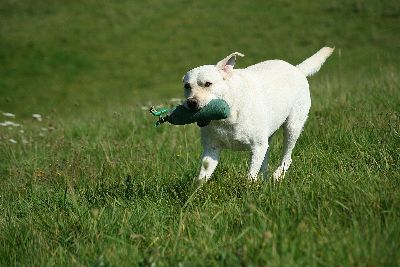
x: 258, y: 153
x: 264, y: 166
x: 209, y: 162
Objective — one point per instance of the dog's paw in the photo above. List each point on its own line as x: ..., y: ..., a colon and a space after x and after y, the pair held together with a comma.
x: 201, y: 180
x: 252, y: 179
x: 279, y: 173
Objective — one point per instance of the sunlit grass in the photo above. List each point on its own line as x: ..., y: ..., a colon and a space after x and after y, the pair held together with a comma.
x: 86, y: 178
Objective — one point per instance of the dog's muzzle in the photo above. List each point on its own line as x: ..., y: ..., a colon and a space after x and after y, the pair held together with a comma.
x: 192, y: 104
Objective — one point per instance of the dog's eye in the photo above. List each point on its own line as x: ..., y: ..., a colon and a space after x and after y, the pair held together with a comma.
x: 207, y: 84
x: 187, y: 86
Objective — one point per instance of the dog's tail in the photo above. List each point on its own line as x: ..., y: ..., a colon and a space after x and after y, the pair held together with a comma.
x: 312, y: 64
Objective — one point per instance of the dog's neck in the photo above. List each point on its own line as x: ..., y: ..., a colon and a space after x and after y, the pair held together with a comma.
x: 236, y: 94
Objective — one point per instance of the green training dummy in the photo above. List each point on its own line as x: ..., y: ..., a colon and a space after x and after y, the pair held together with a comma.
x: 216, y: 109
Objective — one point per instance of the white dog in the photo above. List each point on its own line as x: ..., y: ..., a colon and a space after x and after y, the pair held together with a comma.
x: 262, y: 98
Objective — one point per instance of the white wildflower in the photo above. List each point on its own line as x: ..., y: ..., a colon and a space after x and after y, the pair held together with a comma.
x: 9, y: 123
x: 37, y: 117
x: 7, y: 114
x: 12, y: 141
x: 175, y: 100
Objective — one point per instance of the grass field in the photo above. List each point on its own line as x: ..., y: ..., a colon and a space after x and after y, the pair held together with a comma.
x: 94, y: 183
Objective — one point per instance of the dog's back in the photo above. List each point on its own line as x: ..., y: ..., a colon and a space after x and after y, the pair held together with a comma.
x: 272, y: 89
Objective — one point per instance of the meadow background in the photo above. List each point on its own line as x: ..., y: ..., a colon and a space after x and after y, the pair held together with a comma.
x: 95, y: 183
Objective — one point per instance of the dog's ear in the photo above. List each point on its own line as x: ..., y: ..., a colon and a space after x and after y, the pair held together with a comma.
x: 226, y: 65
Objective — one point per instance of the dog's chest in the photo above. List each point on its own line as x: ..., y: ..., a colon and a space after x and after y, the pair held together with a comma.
x: 228, y: 136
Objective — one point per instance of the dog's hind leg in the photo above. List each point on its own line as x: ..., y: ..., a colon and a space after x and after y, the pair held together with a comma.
x: 209, y: 162
x: 292, y: 130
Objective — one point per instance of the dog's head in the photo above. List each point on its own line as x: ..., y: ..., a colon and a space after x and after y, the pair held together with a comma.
x: 202, y: 84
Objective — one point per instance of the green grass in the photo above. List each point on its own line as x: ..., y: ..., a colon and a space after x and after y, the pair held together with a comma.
x: 96, y: 184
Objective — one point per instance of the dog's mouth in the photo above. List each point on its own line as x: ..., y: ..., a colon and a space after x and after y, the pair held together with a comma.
x: 192, y: 104
x: 203, y: 123
x: 196, y: 109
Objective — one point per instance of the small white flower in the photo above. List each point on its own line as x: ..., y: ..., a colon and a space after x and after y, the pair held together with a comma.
x: 175, y: 100
x: 37, y: 117
x: 12, y: 141
x: 9, y: 123
x: 7, y: 114
x: 21, y: 131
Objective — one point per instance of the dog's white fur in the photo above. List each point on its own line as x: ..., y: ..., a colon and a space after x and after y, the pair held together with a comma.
x: 262, y: 98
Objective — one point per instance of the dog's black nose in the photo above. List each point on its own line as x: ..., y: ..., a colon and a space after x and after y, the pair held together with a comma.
x: 193, y: 103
